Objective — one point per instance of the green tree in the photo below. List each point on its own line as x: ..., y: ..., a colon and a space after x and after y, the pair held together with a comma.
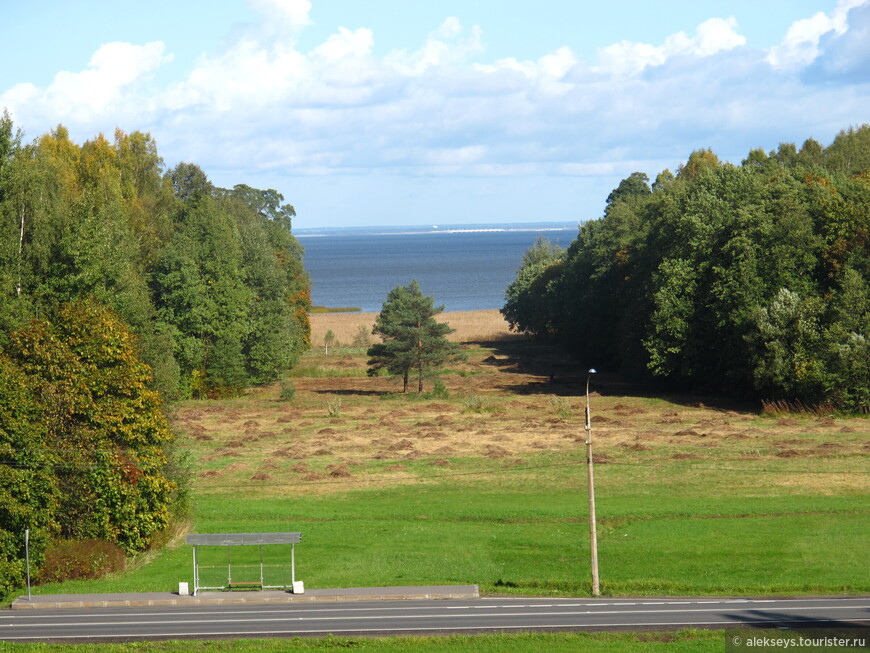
x: 747, y: 279
x: 273, y: 271
x: 200, y: 291
x: 527, y: 307
x: 267, y: 203
x: 413, y: 341
x: 788, y: 362
x: 211, y: 281
x: 635, y: 185
x: 102, y: 425
x: 28, y: 485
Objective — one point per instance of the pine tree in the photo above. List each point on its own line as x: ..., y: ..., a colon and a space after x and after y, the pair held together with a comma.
x: 413, y: 341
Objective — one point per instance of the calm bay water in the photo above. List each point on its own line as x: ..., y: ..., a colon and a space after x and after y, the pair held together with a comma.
x: 463, y: 267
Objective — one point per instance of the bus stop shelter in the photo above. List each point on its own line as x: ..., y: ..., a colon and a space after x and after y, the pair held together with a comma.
x: 246, y: 576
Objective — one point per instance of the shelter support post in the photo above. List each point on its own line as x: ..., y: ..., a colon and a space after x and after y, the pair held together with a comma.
x: 195, y: 572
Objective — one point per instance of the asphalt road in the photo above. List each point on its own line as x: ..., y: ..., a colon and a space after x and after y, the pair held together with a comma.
x: 426, y: 617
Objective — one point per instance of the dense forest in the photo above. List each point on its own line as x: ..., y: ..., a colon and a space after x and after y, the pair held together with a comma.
x: 122, y: 285
x: 748, y: 280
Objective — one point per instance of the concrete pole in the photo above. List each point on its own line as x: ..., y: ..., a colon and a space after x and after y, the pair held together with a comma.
x: 593, y: 532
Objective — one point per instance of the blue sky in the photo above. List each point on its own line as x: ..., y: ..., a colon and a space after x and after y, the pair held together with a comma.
x: 383, y: 112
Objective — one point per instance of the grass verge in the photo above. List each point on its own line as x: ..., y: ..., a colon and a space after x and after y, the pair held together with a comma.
x: 689, y: 641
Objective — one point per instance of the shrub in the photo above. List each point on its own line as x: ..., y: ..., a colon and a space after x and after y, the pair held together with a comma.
x: 440, y: 391
x: 363, y: 337
x: 333, y: 407
x: 478, y: 404
x: 288, y: 390
x: 81, y: 559
x: 562, y: 407
x: 329, y: 340
x: 11, y: 576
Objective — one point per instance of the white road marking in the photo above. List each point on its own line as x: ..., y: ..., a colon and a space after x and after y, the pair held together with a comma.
x: 444, y: 615
x: 290, y: 609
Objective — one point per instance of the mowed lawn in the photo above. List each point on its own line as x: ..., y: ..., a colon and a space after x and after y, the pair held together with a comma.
x: 487, y: 485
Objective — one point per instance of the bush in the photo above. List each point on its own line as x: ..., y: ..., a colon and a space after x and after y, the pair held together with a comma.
x: 440, y: 391
x: 363, y: 337
x: 288, y: 390
x: 81, y: 559
x: 333, y: 407
x: 478, y: 404
x: 11, y: 576
x: 562, y: 407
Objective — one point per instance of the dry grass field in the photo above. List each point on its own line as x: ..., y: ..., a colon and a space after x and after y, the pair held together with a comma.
x: 471, y: 326
x: 510, y: 405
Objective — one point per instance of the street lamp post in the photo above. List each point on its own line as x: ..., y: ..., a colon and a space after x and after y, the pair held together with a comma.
x: 593, y: 532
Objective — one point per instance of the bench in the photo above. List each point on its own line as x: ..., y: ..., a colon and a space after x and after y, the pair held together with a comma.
x: 246, y: 585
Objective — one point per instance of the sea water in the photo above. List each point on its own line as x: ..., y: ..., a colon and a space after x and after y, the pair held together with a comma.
x: 463, y: 267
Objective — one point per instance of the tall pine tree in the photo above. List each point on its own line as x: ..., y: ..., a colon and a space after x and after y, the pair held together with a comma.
x: 413, y: 341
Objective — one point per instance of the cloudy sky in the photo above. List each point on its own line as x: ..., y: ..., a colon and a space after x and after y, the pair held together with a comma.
x: 386, y: 112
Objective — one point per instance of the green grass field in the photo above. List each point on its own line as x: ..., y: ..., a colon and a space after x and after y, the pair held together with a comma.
x: 666, y: 526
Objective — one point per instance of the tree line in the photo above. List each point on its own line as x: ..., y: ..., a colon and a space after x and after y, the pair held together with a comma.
x: 124, y: 284
x: 749, y: 280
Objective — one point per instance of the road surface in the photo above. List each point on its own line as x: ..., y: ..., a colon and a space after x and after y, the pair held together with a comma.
x: 490, y: 614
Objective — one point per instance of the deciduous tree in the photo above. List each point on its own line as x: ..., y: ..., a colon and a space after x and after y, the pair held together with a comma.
x: 749, y: 279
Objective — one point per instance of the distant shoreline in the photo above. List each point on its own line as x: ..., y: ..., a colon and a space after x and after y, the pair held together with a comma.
x: 409, y: 230
x: 431, y: 232
x: 334, y: 309
x: 357, y: 311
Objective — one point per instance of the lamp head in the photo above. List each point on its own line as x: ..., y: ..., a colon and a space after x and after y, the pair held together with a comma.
x: 592, y: 371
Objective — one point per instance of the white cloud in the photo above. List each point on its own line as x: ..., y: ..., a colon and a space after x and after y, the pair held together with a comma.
x: 445, y: 46
x: 260, y: 110
x: 284, y: 14
x: 346, y: 43
x: 845, y: 57
x: 456, y: 156
x: 547, y: 75
x: 711, y: 37
x: 558, y: 64
x: 247, y: 74
x: 92, y: 93
x: 800, y: 47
